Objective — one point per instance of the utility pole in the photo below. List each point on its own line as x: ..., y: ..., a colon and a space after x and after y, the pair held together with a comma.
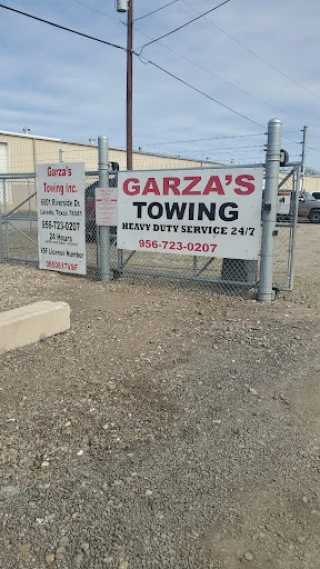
x: 129, y: 86
x: 127, y: 6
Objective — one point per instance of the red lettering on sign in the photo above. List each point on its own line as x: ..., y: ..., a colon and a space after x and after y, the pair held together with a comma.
x: 246, y: 188
x: 171, y: 184
x: 214, y: 185
x: 131, y: 187
x: 194, y: 182
x: 151, y: 187
x: 59, y: 171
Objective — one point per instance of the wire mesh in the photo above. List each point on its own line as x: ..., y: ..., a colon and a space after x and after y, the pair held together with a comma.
x: 19, y: 240
x: 225, y: 275
x: 19, y: 220
x: 283, y: 250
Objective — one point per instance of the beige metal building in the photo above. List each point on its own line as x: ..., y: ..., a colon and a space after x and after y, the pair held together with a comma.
x: 22, y: 152
x: 311, y: 184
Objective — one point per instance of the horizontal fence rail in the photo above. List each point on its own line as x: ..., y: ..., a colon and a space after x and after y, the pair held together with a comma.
x: 19, y: 235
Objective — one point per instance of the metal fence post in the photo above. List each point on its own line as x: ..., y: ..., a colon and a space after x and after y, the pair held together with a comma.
x: 269, y: 213
x: 5, y: 211
x: 297, y: 189
x: 1, y: 234
x: 103, y: 233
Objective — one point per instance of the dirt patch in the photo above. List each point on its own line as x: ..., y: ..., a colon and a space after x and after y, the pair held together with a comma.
x: 170, y: 428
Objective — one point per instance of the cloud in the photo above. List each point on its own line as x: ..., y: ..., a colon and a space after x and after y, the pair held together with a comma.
x: 71, y: 88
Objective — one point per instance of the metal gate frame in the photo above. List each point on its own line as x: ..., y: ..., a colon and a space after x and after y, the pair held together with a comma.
x: 9, y: 216
x: 259, y: 277
x: 291, y: 223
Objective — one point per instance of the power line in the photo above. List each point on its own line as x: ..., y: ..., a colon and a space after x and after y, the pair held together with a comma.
x: 315, y: 149
x: 221, y: 79
x: 206, y: 95
x: 58, y: 26
x: 98, y: 11
x: 157, y: 10
x: 297, y: 142
x: 254, y: 53
x: 204, y: 139
x: 216, y: 151
x: 185, y: 25
x: 199, y: 91
x: 188, y: 59
x: 110, y: 44
x: 240, y: 148
x: 215, y: 75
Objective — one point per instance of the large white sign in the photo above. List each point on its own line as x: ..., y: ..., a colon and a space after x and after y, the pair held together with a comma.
x: 207, y: 212
x: 106, y: 206
x: 61, y: 217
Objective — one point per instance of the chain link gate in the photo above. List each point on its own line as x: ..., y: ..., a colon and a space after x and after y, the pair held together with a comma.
x: 19, y: 219
x: 287, y: 228
x: 19, y: 239
x: 19, y: 242
x: 224, y: 273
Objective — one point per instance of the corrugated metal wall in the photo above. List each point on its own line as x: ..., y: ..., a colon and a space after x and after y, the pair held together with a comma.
x: 25, y: 152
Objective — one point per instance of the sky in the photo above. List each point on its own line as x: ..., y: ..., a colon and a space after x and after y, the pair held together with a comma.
x: 260, y: 59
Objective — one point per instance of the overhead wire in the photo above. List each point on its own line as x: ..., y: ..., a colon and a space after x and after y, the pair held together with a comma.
x: 157, y: 66
x: 311, y: 148
x: 253, y: 52
x: 155, y: 11
x: 184, y: 25
x: 206, y: 95
x: 98, y: 11
x: 60, y: 27
x: 240, y: 148
x: 212, y: 138
x: 147, y: 61
x: 197, y: 65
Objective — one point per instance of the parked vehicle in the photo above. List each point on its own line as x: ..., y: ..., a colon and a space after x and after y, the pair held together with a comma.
x: 90, y: 203
x: 309, y: 207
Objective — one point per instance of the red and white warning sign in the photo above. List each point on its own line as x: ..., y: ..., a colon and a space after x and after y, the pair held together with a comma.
x: 106, y: 206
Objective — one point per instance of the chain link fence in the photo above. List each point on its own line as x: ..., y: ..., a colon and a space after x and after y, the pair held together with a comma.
x: 286, y: 229
x: 19, y: 232
x: 19, y: 219
x: 19, y: 243
x: 222, y: 274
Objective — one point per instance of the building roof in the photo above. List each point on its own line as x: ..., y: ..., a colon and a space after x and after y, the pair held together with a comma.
x: 88, y: 145
x: 23, y: 135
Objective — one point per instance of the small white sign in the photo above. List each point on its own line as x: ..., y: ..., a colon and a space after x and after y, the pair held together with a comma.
x: 200, y: 212
x: 284, y: 202
x: 106, y: 206
x: 61, y: 217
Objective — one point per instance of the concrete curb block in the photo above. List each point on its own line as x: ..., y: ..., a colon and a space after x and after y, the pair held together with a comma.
x: 29, y: 324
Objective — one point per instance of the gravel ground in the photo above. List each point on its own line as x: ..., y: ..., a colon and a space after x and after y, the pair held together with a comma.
x: 169, y: 429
